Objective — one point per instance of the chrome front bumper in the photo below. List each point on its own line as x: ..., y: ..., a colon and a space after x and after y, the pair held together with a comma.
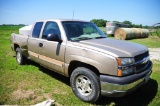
x: 117, y: 90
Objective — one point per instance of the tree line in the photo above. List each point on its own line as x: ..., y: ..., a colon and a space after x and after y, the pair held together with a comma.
x: 102, y: 23
x: 13, y: 25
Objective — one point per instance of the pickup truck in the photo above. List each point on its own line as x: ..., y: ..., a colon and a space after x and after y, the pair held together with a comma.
x: 96, y: 65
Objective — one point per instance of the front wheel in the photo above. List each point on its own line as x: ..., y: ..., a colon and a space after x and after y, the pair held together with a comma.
x: 85, y: 84
x: 19, y: 57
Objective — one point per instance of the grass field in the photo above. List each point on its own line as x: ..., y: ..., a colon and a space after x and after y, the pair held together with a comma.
x: 31, y: 83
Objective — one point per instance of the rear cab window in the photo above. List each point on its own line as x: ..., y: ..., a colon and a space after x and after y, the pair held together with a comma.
x: 37, y: 29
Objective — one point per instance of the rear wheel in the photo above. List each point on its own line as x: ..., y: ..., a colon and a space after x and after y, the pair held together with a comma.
x: 19, y: 57
x: 85, y: 84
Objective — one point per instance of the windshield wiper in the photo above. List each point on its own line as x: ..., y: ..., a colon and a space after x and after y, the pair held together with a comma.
x: 85, y: 38
x: 100, y: 37
x: 81, y: 38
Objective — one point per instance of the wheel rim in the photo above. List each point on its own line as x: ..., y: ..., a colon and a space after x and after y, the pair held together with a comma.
x: 83, y: 85
x: 18, y: 57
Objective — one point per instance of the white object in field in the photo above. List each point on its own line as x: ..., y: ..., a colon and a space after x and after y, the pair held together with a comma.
x: 45, y: 103
x: 112, y: 26
x: 26, y: 30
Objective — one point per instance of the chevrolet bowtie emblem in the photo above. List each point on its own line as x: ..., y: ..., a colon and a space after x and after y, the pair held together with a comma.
x: 145, y: 60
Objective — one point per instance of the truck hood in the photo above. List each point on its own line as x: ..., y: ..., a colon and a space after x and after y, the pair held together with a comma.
x: 116, y: 48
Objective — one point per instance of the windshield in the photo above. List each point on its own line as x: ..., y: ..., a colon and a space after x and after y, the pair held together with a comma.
x: 77, y: 31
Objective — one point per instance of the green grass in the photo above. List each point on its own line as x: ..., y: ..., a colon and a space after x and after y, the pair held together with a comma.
x: 150, y: 42
x: 31, y: 83
x: 103, y: 29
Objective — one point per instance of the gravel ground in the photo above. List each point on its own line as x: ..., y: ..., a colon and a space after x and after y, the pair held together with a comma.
x: 154, y: 53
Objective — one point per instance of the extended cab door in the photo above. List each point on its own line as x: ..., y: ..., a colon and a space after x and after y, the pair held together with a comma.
x: 33, y: 42
x: 52, y: 52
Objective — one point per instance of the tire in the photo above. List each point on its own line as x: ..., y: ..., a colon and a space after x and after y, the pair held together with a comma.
x: 85, y: 84
x: 19, y: 57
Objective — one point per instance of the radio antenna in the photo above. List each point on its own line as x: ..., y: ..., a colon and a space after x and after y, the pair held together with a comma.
x: 73, y: 14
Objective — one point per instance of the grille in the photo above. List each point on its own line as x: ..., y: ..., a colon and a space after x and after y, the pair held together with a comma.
x: 141, y: 67
x: 141, y: 56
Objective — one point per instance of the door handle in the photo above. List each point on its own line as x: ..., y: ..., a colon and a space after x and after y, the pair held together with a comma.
x: 40, y: 44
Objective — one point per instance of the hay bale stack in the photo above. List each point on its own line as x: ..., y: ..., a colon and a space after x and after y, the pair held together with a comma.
x: 124, y: 33
x: 130, y: 33
x: 138, y: 32
x: 144, y: 33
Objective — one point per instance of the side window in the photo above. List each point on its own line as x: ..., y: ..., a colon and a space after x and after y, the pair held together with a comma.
x: 50, y: 28
x: 37, y: 29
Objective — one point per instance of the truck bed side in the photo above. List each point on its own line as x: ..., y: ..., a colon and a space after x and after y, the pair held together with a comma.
x: 21, y: 41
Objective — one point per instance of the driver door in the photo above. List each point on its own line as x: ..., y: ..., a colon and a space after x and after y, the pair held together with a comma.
x: 52, y: 52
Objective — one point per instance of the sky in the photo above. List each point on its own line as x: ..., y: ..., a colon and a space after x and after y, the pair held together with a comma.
x: 145, y: 12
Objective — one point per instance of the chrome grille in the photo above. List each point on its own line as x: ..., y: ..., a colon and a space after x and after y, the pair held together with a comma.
x: 141, y: 56
x: 139, y: 59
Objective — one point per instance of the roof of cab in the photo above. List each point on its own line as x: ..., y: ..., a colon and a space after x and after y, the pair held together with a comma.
x: 60, y: 20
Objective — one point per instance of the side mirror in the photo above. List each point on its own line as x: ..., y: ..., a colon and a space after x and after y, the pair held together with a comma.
x: 54, y: 37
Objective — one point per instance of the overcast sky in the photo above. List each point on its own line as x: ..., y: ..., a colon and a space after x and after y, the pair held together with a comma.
x: 145, y: 12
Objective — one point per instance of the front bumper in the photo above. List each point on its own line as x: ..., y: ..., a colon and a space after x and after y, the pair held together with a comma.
x: 112, y: 86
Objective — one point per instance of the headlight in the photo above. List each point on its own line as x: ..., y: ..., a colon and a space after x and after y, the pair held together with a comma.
x: 125, y: 66
x: 125, y: 61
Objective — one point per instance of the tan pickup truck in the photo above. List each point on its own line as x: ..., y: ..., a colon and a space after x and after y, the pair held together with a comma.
x: 96, y: 65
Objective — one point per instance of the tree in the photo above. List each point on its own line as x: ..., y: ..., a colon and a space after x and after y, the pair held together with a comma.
x: 146, y: 26
x: 94, y: 21
x: 127, y: 22
x: 99, y: 22
x: 116, y: 21
x: 140, y: 26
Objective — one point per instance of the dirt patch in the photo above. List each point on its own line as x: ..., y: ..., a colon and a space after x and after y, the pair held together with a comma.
x: 31, y: 95
x: 154, y: 53
x: 47, y: 95
x: 57, y: 91
x: 39, y: 98
x: 22, y: 94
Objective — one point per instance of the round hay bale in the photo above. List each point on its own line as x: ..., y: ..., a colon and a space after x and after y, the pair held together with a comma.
x: 137, y: 32
x: 124, y: 33
x: 144, y: 33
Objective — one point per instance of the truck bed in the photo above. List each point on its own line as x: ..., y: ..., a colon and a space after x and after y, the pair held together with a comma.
x: 19, y: 39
